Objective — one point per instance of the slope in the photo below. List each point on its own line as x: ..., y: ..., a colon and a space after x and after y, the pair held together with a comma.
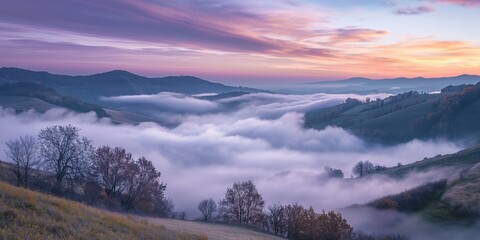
x: 25, y: 214
x: 407, y: 116
x: 455, y: 200
x: 23, y: 96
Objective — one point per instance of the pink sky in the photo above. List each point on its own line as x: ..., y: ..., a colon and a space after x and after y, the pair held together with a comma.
x: 250, y: 42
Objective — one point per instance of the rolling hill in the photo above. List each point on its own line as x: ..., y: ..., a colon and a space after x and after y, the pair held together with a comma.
x: 451, y: 114
x: 23, y: 96
x: 454, y: 200
x: 115, y: 83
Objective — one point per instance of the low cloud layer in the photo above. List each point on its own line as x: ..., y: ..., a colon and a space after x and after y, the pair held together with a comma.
x: 262, y: 140
x: 175, y: 106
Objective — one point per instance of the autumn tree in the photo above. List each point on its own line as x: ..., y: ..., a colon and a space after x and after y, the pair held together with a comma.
x: 23, y: 153
x: 207, y: 207
x: 277, y: 219
x: 142, y: 185
x: 294, y: 219
x: 64, y: 153
x: 325, y: 225
x: 110, y: 165
x: 242, y: 204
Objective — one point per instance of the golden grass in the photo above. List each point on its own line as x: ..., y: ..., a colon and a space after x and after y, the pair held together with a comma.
x: 25, y: 214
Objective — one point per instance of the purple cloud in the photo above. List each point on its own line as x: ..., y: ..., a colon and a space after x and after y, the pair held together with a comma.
x: 467, y: 3
x: 414, y: 10
x: 190, y: 24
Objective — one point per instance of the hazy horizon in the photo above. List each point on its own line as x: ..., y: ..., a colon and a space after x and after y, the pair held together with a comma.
x: 244, y: 42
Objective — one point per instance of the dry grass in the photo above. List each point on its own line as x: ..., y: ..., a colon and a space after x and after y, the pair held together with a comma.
x: 25, y: 214
x: 464, y: 193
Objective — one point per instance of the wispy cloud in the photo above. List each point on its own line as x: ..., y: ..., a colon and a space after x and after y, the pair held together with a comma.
x: 414, y: 10
x: 467, y: 3
x: 247, y: 40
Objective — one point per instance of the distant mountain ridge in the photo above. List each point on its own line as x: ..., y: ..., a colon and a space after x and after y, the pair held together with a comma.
x: 364, y: 79
x: 117, y: 82
x: 361, y: 85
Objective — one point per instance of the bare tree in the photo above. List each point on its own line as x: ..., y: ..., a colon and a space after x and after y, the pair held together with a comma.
x: 242, y: 204
x: 276, y: 219
x: 23, y: 153
x: 363, y: 168
x: 64, y: 153
x: 110, y: 166
x: 142, y: 184
x: 207, y: 207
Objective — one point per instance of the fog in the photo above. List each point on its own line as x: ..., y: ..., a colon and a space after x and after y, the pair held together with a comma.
x: 413, y: 226
x: 262, y: 139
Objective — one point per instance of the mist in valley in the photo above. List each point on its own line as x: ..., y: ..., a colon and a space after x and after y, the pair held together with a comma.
x: 262, y: 140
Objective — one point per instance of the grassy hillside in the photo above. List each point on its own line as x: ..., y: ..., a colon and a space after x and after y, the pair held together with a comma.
x: 25, y: 214
x: 24, y: 95
x: 464, y: 159
x: 455, y: 200
x: 407, y: 116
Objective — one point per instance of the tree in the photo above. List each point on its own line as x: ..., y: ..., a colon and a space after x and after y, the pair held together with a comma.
x: 363, y: 168
x: 207, y: 207
x: 164, y: 207
x: 110, y: 166
x: 23, y: 153
x: 242, y: 204
x: 276, y: 219
x: 142, y: 185
x: 64, y: 153
x: 333, y: 173
x: 294, y: 219
x: 331, y: 226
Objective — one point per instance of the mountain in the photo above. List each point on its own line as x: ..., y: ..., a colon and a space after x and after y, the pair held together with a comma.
x: 361, y: 85
x: 114, y: 83
x: 450, y: 114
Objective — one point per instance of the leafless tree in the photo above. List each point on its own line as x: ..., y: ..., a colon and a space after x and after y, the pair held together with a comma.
x: 64, y: 153
x: 23, y: 153
x: 110, y: 166
x: 142, y: 184
x: 276, y: 218
x: 242, y: 204
x: 363, y: 168
x: 207, y: 207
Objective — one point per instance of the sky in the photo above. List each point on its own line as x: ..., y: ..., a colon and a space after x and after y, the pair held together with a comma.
x: 244, y: 41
